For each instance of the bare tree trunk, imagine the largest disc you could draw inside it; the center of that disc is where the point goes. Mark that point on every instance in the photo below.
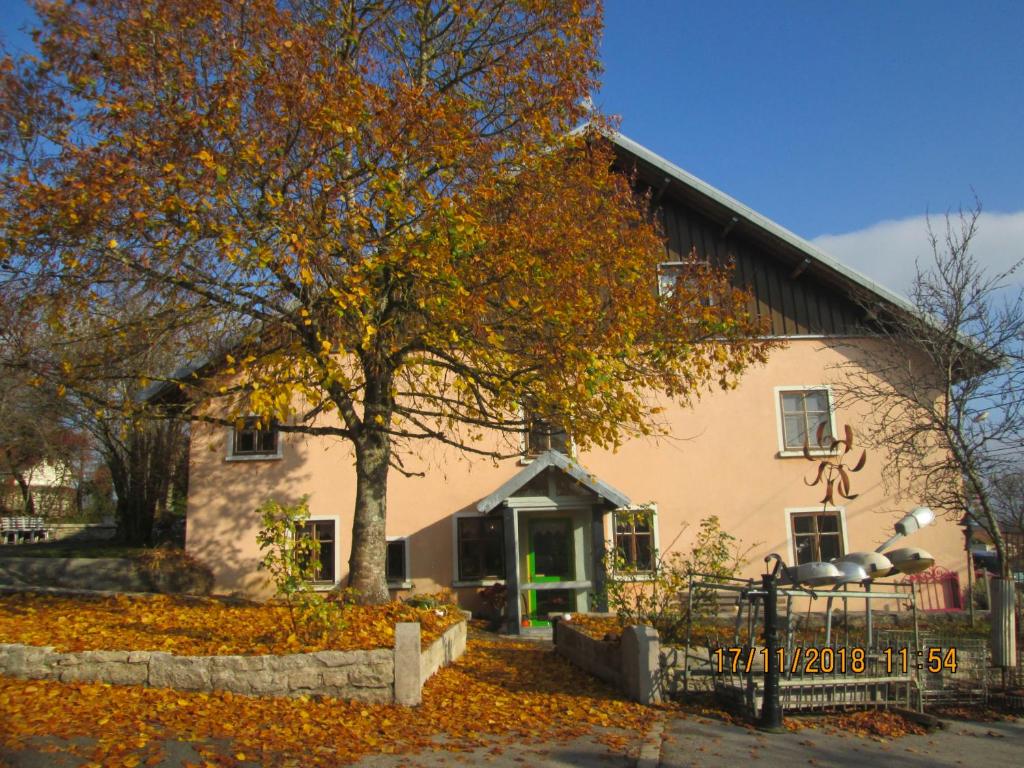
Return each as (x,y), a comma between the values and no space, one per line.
(369,543)
(28,503)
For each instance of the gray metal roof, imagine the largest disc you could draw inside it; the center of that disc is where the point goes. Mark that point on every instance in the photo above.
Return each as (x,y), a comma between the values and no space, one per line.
(559,461)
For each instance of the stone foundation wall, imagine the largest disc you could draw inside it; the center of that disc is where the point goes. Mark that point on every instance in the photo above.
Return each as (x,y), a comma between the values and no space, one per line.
(358,675)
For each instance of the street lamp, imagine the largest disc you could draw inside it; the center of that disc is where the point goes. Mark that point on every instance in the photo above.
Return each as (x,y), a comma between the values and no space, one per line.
(910,560)
(913,521)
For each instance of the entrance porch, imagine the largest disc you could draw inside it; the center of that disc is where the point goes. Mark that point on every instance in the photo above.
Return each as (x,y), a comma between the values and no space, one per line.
(553,513)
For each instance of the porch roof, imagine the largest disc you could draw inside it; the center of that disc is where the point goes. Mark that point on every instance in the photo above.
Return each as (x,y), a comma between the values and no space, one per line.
(559,461)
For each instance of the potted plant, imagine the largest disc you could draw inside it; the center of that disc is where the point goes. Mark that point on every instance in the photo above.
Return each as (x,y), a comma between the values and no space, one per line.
(495,597)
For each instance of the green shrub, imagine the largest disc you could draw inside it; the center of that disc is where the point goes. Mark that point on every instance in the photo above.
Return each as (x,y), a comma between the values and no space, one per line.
(293,562)
(660,599)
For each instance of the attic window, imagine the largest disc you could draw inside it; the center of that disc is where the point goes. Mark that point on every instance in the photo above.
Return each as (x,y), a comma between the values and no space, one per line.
(675,275)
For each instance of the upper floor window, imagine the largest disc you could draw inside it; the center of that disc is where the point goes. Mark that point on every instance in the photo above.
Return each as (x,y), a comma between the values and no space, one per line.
(803,412)
(542,435)
(255,439)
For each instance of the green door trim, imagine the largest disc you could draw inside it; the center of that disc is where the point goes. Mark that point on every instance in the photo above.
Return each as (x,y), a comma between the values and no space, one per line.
(531,563)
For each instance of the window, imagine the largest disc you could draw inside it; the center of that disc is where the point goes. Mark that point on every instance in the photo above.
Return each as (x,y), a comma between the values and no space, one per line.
(252,439)
(396,568)
(817,536)
(323,533)
(634,539)
(481,548)
(802,412)
(682,274)
(543,436)
(669,275)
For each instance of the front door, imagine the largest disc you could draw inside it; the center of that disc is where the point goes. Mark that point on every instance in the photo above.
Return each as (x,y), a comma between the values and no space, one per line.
(550,559)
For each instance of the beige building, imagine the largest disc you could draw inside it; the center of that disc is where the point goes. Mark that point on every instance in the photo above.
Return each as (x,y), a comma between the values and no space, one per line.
(541,523)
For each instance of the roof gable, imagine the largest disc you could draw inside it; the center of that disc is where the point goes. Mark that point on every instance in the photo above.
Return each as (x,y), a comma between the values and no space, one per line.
(737,217)
(561,462)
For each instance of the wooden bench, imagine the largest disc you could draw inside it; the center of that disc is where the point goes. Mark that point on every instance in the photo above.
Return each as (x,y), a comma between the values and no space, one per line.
(23,530)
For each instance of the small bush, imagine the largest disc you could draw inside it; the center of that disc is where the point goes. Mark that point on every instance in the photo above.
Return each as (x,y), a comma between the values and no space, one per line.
(660,599)
(293,562)
(170,570)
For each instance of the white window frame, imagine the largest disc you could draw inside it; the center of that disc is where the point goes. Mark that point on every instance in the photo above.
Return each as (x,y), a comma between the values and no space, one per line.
(456,582)
(324,586)
(790,511)
(524,439)
(785,452)
(232,456)
(407,584)
(664,266)
(655,542)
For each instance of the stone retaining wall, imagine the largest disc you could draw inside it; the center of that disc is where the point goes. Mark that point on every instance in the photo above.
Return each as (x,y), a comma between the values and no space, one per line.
(632,664)
(601,658)
(120,574)
(81,531)
(368,676)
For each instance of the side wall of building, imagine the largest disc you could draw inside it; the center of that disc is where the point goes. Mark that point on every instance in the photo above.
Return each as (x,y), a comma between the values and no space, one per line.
(721,458)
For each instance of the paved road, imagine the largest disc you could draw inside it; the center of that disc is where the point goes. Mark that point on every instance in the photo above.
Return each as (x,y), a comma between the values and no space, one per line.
(678,742)
(688,743)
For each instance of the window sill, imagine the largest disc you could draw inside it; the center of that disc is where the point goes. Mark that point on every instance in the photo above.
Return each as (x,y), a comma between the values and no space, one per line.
(254,457)
(400,585)
(478,583)
(787,454)
(633,576)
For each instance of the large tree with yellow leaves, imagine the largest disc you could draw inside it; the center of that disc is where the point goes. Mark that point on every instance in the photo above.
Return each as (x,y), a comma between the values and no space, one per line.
(382,203)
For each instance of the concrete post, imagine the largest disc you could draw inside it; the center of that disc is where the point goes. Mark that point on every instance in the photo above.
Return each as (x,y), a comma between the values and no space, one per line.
(1004,647)
(408,684)
(641,664)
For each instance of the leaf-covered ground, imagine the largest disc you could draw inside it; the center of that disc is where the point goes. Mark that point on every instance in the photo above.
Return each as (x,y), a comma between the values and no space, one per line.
(500,691)
(196,626)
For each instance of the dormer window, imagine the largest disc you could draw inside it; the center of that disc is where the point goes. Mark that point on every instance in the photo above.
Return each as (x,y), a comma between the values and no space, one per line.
(255,439)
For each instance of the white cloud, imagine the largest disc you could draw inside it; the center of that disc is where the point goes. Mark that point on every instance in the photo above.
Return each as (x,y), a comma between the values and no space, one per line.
(886,251)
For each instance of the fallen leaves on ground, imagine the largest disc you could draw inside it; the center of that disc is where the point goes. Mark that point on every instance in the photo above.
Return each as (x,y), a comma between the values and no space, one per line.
(977,713)
(499,690)
(597,627)
(189,626)
(871,723)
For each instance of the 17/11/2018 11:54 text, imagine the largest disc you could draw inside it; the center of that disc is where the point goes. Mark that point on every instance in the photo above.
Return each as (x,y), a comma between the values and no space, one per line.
(842,660)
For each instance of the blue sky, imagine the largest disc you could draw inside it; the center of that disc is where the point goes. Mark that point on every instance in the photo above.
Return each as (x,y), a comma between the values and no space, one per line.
(843,121)
(834,118)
